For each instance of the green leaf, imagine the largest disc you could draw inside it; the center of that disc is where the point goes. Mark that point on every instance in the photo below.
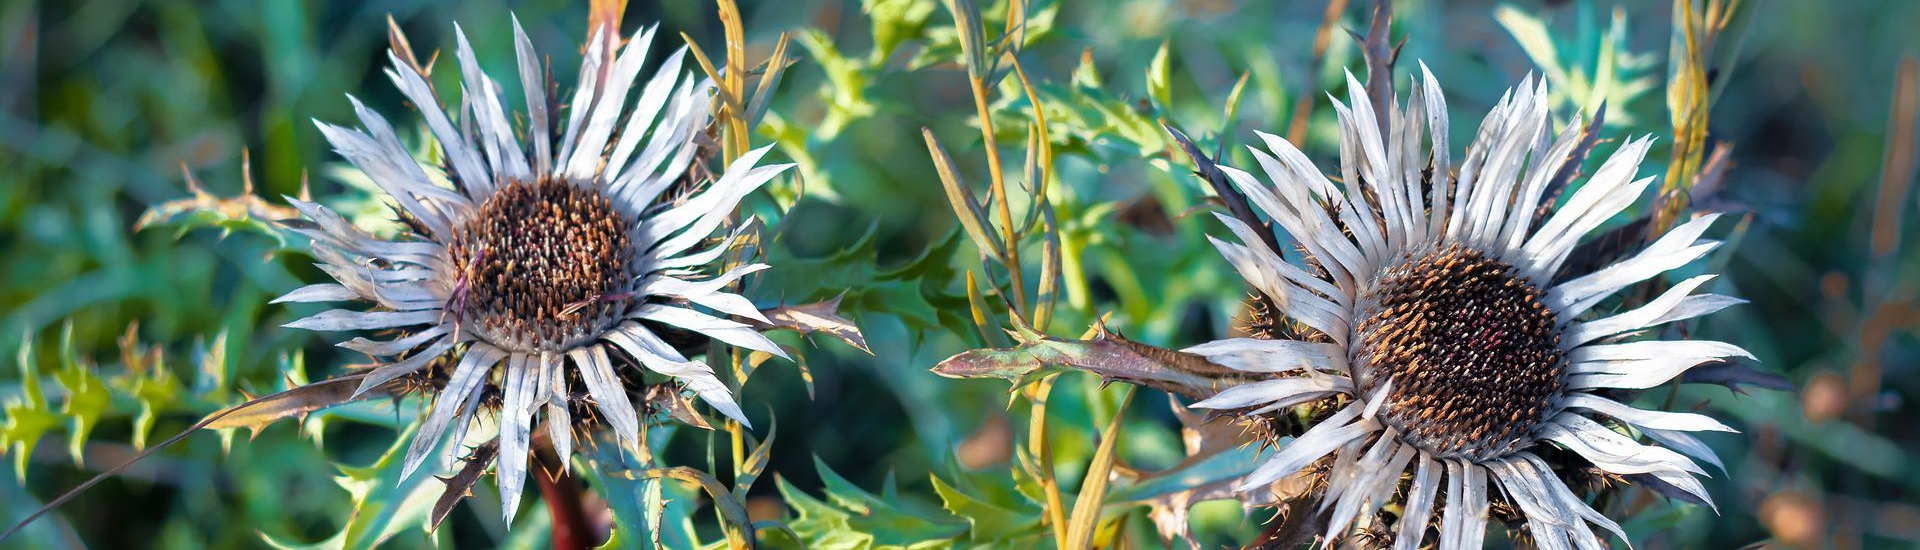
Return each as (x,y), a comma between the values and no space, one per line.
(28,416)
(731,510)
(245,212)
(646,513)
(384,505)
(851,518)
(1085,521)
(87,400)
(155,390)
(990,523)
(1585,68)
(846,89)
(1159,82)
(894,22)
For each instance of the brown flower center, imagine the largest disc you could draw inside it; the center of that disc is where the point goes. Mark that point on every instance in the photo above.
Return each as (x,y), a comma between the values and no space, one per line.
(1470,348)
(544,265)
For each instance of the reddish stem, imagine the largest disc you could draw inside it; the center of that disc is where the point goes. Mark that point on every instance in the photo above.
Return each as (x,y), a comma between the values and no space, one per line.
(563,495)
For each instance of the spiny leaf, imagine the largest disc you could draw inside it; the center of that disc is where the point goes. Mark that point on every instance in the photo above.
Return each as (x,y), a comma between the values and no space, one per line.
(990,523)
(847,79)
(34,392)
(823,317)
(243,212)
(257,414)
(87,400)
(28,416)
(156,390)
(894,22)
(853,518)
(1109,355)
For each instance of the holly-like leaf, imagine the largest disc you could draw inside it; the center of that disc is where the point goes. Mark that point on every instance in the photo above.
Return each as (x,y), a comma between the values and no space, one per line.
(28,415)
(851,518)
(155,390)
(87,401)
(668,399)
(990,523)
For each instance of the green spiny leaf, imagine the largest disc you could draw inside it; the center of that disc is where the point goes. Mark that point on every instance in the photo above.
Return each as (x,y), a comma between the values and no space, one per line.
(28,416)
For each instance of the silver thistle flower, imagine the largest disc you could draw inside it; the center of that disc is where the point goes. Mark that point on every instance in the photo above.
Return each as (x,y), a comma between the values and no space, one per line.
(1440,317)
(538,268)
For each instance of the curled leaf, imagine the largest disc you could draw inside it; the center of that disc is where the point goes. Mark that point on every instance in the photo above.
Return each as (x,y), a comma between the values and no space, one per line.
(667,398)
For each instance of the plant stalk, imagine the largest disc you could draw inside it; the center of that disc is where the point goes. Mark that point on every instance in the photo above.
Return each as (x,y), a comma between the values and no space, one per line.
(563,494)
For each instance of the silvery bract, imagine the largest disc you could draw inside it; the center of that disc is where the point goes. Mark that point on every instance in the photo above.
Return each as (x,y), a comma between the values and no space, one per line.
(1438,309)
(544,265)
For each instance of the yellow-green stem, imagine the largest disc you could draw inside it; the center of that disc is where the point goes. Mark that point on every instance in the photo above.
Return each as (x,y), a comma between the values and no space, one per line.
(1042,450)
(1007,235)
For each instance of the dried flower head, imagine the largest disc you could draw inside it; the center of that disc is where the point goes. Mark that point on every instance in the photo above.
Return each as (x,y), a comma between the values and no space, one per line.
(538,275)
(1439,323)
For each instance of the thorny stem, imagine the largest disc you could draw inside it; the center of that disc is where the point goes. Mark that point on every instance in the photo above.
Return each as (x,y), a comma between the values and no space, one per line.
(562,493)
(1380,58)
(1018,284)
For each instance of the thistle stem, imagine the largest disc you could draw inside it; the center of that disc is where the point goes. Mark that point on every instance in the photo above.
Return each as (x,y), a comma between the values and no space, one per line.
(562,493)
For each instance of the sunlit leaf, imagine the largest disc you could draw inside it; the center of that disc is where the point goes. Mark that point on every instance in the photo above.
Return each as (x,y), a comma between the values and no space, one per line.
(822,317)
(256,415)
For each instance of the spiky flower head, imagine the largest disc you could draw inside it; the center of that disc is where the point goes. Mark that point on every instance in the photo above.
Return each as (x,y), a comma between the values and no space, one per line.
(1447,332)
(537,276)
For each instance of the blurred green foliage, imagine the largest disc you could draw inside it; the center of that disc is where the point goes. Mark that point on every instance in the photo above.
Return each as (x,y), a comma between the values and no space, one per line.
(132,334)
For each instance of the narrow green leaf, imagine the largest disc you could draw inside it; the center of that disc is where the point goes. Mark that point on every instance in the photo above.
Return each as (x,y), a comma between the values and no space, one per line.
(973,217)
(1093,491)
(1159,81)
